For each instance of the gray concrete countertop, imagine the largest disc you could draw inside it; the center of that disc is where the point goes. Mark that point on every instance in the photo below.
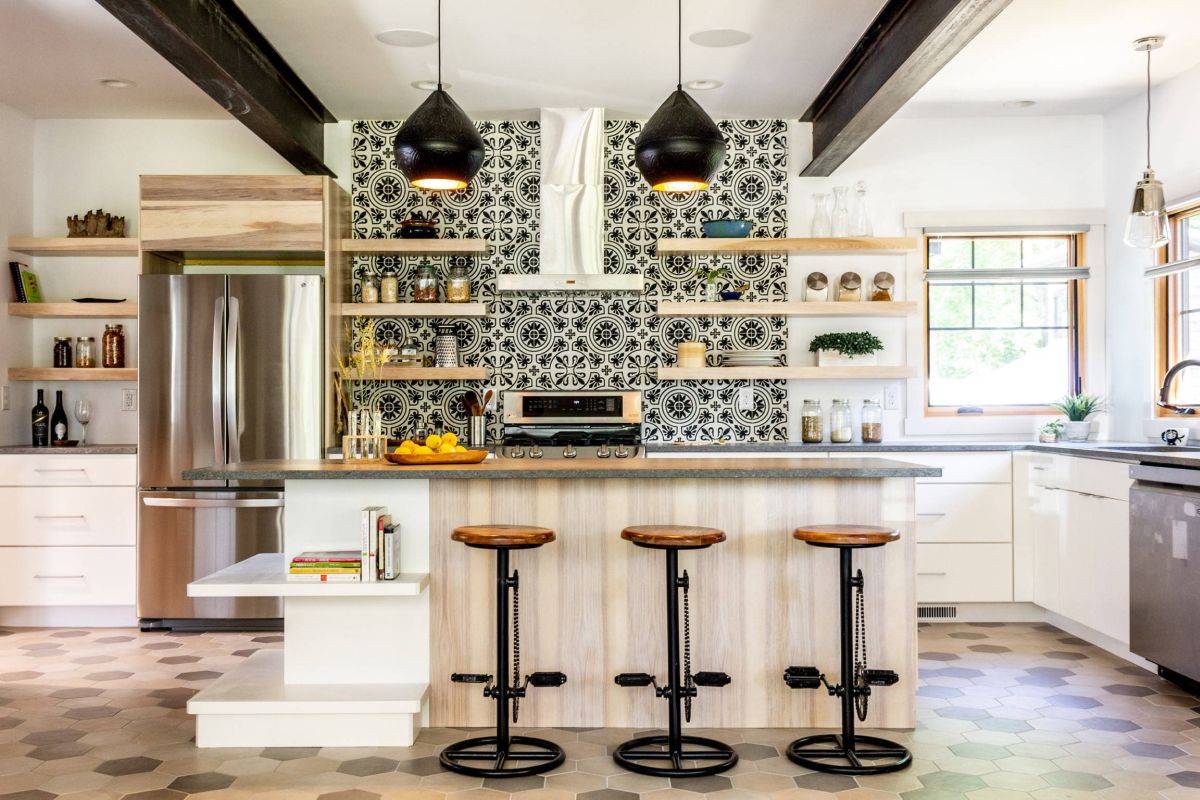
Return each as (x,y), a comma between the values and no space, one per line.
(86,450)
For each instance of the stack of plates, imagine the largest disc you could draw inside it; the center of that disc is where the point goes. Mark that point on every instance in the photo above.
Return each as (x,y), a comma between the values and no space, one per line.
(751,358)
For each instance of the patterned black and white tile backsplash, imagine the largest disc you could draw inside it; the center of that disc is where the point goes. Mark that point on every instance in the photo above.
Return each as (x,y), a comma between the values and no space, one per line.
(564,341)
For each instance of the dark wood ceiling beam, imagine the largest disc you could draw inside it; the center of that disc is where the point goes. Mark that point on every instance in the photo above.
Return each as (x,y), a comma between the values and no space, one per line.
(905,46)
(217,47)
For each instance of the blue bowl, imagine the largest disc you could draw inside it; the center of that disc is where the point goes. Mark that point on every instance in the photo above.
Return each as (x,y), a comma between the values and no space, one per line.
(727,228)
(731,294)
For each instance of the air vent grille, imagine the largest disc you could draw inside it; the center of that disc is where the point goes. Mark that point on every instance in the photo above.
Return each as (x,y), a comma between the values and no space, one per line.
(937,612)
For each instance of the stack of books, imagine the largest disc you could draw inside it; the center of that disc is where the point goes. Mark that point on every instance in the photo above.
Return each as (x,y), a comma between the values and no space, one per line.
(380,545)
(326,566)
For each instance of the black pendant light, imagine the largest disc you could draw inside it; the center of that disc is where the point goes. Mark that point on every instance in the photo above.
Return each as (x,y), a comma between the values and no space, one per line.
(680,149)
(438,146)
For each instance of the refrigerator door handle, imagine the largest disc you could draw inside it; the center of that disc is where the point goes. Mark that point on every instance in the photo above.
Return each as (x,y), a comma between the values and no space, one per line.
(233,433)
(217,336)
(196,502)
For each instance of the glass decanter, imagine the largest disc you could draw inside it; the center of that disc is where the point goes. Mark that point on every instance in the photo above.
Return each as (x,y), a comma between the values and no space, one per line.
(861,225)
(820,220)
(841,212)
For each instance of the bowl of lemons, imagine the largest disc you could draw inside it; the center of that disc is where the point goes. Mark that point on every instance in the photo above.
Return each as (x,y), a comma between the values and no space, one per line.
(438,448)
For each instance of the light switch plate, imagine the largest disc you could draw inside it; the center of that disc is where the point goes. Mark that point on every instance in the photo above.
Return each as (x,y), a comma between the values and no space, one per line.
(891,397)
(5,399)
(745,399)
(129,399)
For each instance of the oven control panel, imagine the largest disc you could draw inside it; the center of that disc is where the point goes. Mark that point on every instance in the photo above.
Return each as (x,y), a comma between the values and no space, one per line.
(575,407)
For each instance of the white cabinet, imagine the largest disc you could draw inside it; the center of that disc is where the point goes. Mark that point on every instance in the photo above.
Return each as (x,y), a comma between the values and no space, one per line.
(964,573)
(1094,564)
(41,516)
(68,576)
(1046,513)
(68,470)
(964,512)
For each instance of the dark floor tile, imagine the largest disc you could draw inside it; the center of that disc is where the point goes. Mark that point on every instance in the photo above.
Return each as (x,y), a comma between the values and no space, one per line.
(967,635)
(289,753)
(114,639)
(1128,691)
(162,645)
(33,646)
(1109,724)
(1056,672)
(951,781)
(986,752)
(69,634)
(201,675)
(989,648)
(94,660)
(607,794)
(1151,750)
(267,639)
(515,784)
(29,794)
(1072,701)
(178,660)
(201,782)
(429,765)
(960,672)
(156,794)
(1085,781)
(128,766)
(704,785)
(349,794)
(55,752)
(77,692)
(8,723)
(754,752)
(825,782)
(1186,778)
(92,712)
(39,738)
(246,653)
(1065,655)
(936,656)
(20,675)
(371,765)
(108,675)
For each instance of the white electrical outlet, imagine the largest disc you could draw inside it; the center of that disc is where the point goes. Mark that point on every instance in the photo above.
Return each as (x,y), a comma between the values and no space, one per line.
(891,397)
(129,399)
(745,399)
(5,400)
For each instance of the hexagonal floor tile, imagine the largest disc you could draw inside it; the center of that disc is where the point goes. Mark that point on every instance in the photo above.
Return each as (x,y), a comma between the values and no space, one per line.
(59,736)
(178,660)
(1084,781)
(289,753)
(1151,750)
(1109,724)
(1186,778)
(76,692)
(371,765)
(128,766)
(1128,690)
(54,752)
(201,782)
(108,675)
(754,752)
(825,782)
(421,766)
(201,675)
(92,712)
(349,794)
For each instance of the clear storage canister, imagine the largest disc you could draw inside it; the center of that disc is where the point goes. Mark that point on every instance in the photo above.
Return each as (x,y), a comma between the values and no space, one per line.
(811,422)
(841,427)
(872,422)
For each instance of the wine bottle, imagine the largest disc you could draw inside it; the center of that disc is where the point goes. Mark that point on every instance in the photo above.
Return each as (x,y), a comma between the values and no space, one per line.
(58,421)
(41,422)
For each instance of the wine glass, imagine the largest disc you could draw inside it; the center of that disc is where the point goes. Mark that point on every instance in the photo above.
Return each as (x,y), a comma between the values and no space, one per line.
(83,414)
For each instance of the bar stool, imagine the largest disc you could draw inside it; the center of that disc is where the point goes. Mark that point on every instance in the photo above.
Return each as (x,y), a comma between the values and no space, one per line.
(535,755)
(847,753)
(679,689)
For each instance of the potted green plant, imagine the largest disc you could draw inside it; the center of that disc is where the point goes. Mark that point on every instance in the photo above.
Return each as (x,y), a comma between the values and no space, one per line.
(710,276)
(834,349)
(1077,408)
(1050,432)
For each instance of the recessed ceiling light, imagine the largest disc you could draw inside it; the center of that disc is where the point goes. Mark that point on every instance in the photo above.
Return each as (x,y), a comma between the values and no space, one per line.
(405,37)
(719,37)
(429,86)
(116,83)
(703,84)
(1020,103)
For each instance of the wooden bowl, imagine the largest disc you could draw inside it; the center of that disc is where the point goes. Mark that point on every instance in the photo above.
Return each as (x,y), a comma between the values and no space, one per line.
(416,459)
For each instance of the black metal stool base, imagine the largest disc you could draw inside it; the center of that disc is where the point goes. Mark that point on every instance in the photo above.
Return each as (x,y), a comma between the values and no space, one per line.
(543,757)
(867,755)
(631,754)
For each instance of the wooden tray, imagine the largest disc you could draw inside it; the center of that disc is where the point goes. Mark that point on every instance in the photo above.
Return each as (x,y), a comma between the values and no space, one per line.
(415,459)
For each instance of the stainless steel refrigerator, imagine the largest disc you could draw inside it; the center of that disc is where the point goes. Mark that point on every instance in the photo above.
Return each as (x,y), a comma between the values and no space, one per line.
(229,369)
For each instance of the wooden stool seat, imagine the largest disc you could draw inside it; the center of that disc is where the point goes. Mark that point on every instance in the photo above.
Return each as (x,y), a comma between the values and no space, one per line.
(497,536)
(673,536)
(846,535)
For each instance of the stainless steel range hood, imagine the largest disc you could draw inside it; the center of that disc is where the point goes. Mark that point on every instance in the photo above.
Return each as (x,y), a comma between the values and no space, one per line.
(572,204)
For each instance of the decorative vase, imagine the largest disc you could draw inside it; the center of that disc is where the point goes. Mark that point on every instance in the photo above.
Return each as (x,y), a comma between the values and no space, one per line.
(832,358)
(712,293)
(1077,431)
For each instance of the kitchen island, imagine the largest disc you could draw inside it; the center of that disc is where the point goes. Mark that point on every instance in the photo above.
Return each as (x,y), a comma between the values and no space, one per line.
(369,663)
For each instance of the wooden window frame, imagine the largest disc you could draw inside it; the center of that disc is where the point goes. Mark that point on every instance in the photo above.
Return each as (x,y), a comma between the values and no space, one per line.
(1077,327)
(1166,311)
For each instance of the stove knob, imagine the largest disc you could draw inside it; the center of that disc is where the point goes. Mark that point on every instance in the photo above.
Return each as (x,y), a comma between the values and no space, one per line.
(535,451)
(516,452)
(569,451)
(622,451)
(603,451)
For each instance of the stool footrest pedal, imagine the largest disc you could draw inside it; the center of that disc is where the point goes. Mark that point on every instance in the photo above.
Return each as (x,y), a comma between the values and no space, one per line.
(470,677)
(634,679)
(880,677)
(712,679)
(546,680)
(803,677)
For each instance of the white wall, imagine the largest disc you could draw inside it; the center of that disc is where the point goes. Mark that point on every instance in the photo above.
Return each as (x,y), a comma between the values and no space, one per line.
(926,164)
(16,218)
(81,164)
(1176,116)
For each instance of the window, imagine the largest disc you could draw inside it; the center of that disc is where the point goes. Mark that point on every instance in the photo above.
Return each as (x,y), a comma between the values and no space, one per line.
(1001,345)
(1178,309)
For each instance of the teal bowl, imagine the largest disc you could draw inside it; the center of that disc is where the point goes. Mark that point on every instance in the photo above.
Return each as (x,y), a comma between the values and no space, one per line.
(726,228)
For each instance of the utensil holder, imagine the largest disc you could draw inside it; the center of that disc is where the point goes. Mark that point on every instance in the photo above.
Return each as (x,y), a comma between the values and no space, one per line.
(477,432)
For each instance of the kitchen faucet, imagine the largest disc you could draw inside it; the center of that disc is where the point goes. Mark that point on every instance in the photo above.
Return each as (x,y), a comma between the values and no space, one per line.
(1166,387)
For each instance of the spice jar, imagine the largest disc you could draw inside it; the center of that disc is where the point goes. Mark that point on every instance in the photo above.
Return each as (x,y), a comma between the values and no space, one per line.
(425,285)
(389,287)
(811,422)
(872,422)
(370,290)
(841,427)
(458,285)
(113,346)
(62,352)
(85,352)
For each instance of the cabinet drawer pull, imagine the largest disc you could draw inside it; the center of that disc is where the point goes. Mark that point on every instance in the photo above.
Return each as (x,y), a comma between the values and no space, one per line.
(60,469)
(59,577)
(931,574)
(931,514)
(59,516)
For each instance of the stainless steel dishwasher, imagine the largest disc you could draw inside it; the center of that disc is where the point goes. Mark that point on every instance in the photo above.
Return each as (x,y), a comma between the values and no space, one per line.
(1164,569)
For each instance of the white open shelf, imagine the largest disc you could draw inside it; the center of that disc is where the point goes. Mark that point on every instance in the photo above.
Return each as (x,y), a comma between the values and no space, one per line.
(265,575)
(257,687)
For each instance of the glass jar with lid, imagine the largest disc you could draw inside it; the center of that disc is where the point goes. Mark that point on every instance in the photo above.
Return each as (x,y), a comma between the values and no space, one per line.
(425,285)
(841,427)
(113,346)
(85,352)
(872,422)
(389,286)
(812,422)
(369,289)
(62,352)
(458,284)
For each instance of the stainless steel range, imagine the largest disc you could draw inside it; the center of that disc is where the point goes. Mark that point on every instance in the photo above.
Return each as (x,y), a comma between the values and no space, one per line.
(572,425)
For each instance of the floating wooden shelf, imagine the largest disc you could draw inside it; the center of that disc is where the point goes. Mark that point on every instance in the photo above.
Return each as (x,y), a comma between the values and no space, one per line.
(265,575)
(413,309)
(416,247)
(863,373)
(841,246)
(78,310)
(64,246)
(70,374)
(430,374)
(898,308)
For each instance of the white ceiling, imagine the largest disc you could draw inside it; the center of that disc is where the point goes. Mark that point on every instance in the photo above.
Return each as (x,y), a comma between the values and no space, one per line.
(510,57)
(1070,56)
(54,52)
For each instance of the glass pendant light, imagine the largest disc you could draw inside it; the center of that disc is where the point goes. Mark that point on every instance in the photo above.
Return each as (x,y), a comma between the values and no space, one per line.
(438,146)
(680,149)
(1147,224)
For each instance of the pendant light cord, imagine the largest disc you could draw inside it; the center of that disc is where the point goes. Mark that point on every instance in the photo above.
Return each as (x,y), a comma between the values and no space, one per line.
(1147,108)
(439,24)
(678,49)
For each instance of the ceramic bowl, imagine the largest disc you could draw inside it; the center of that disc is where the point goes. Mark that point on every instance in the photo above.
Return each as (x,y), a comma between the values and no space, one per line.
(726,228)
(731,294)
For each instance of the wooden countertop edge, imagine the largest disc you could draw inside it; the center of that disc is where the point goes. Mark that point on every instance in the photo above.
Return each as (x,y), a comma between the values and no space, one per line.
(574,469)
